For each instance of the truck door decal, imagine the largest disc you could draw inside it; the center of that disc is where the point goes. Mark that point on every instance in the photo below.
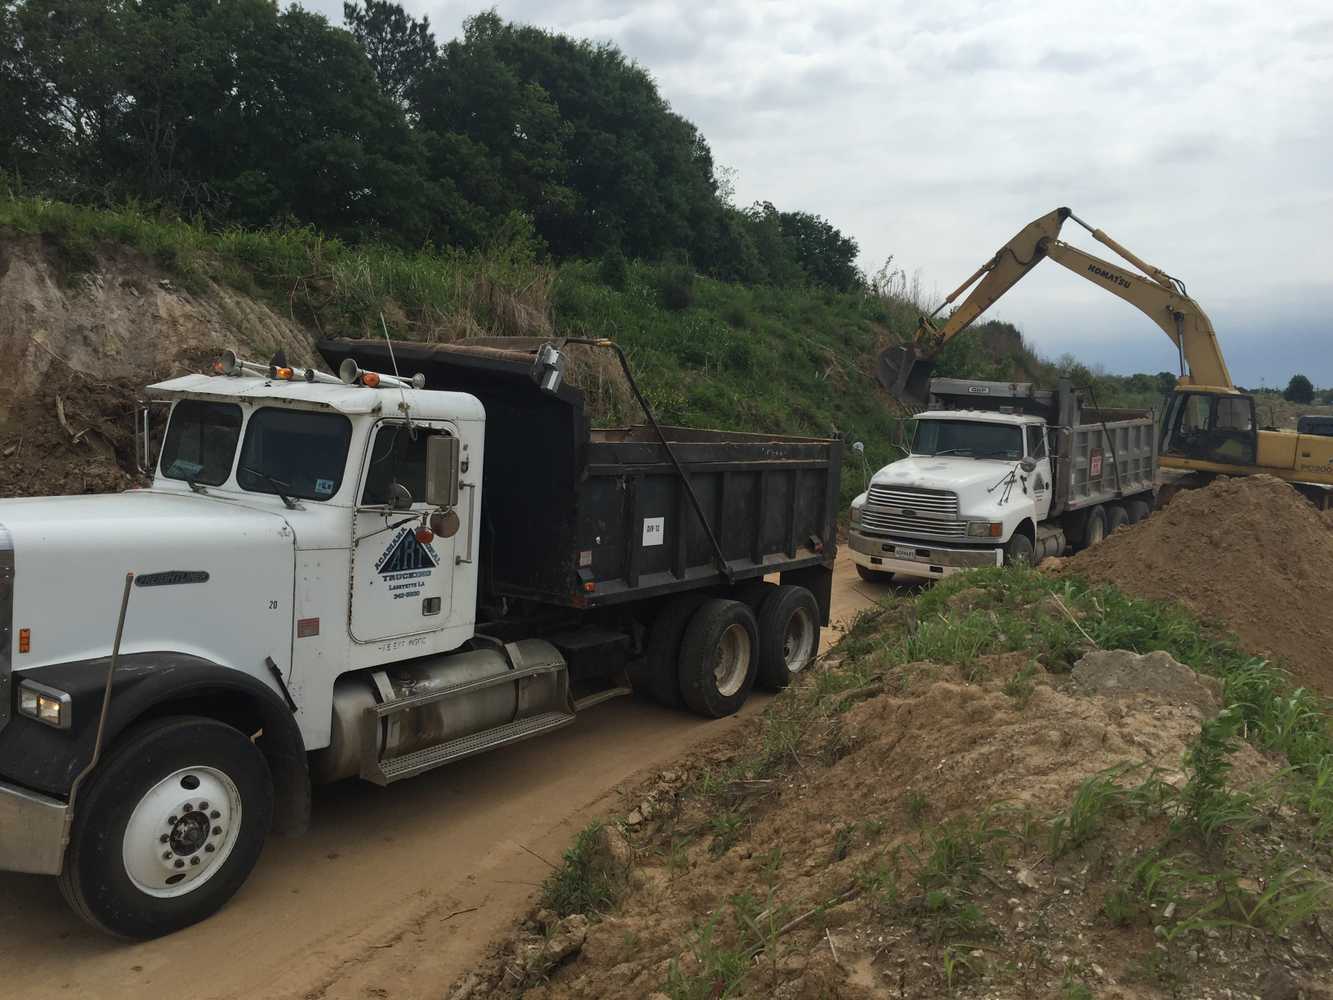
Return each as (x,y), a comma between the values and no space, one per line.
(406,564)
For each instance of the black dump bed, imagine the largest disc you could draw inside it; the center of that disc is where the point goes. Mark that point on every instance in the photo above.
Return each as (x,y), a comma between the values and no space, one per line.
(579,517)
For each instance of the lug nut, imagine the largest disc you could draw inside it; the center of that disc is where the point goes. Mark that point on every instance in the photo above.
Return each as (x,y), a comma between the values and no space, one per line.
(215,815)
(203,807)
(180,863)
(217,830)
(209,848)
(163,839)
(187,808)
(166,856)
(171,820)
(194,860)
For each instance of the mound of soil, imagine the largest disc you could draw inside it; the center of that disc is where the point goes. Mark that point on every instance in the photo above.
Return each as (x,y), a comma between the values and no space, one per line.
(1249,553)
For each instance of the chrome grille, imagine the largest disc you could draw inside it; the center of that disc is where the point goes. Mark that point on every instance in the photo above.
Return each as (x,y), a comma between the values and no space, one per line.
(886,521)
(922,503)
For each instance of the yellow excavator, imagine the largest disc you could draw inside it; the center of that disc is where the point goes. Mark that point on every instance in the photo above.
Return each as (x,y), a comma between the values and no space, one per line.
(1209,427)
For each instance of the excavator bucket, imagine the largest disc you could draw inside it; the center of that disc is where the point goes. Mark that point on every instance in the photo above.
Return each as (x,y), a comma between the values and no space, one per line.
(906,375)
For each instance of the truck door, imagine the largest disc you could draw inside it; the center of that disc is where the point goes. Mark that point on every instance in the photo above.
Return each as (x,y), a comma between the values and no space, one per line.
(402,579)
(1040,479)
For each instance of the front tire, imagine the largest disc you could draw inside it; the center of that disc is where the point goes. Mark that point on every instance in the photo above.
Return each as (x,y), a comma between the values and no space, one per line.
(719,655)
(1019,551)
(169,827)
(788,636)
(873,575)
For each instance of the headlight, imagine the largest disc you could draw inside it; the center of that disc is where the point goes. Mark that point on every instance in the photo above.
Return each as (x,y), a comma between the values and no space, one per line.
(856,511)
(985,529)
(45,704)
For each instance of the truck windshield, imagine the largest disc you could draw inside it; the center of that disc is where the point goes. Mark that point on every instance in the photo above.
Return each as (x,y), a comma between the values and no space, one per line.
(294,453)
(968,439)
(201,442)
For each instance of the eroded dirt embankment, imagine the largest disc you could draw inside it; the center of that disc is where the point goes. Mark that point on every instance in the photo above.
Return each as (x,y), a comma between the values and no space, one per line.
(77,349)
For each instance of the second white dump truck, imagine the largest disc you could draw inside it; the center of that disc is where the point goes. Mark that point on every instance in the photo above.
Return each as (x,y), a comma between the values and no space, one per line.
(1002,473)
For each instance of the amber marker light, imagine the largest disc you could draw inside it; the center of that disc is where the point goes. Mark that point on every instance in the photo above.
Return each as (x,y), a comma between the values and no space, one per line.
(425,536)
(370,380)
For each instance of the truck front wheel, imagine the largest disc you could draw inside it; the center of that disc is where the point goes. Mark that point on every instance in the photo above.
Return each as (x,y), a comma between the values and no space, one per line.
(718,658)
(169,827)
(1019,550)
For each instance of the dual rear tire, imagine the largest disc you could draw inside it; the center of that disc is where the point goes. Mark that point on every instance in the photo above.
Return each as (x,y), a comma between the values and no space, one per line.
(708,653)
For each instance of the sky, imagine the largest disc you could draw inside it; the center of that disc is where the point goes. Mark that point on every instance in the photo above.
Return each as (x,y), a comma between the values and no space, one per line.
(1197,134)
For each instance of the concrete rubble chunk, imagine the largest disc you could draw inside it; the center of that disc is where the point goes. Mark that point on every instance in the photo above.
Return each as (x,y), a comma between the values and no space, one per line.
(1119,673)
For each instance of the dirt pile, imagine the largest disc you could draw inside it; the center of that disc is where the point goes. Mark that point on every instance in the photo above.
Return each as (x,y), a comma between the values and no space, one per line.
(914,819)
(1249,553)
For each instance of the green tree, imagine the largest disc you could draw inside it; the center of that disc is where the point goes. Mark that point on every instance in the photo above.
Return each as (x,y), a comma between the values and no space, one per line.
(1299,390)
(400,48)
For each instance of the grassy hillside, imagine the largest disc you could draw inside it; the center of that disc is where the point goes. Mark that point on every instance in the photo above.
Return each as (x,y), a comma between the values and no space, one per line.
(707,353)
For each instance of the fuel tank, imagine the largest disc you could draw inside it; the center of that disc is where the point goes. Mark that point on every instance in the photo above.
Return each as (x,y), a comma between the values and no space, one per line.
(445,720)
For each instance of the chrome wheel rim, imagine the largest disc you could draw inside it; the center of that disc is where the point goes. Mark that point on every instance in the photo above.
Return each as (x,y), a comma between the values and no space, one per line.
(798,641)
(182,832)
(731,660)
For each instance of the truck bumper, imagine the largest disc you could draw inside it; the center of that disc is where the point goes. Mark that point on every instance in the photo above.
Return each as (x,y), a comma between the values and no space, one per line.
(32,832)
(917,558)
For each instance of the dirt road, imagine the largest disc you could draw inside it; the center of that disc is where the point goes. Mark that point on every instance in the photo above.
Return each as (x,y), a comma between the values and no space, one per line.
(395,891)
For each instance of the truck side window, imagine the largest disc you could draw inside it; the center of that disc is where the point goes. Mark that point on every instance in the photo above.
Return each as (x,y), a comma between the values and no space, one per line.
(397,456)
(201,442)
(294,452)
(1036,443)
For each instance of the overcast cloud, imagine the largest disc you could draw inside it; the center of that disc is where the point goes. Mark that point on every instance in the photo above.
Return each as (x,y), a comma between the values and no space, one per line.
(1198,134)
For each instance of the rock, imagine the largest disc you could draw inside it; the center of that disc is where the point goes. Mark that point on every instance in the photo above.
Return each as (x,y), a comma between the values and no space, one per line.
(1279,984)
(1118,673)
(616,847)
(470,987)
(568,939)
(635,818)
(1026,879)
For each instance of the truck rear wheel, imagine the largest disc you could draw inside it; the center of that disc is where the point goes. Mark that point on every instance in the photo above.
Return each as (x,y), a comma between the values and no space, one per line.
(1095,528)
(1116,518)
(718,658)
(1137,510)
(169,827)
(788,636)
(664,649)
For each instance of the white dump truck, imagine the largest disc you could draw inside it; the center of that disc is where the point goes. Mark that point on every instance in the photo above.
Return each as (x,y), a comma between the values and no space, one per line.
(1002,473)
(362,577)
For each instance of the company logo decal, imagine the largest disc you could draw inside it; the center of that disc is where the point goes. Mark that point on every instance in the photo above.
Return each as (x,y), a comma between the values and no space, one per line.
(407,564)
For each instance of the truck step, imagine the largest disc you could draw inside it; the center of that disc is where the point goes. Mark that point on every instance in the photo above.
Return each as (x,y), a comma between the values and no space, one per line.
(409,765)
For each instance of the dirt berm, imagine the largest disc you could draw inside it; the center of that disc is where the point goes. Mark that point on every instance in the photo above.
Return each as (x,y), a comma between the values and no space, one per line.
(1249,553)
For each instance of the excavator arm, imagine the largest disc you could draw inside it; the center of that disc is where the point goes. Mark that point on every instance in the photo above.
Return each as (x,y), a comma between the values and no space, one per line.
(905,370)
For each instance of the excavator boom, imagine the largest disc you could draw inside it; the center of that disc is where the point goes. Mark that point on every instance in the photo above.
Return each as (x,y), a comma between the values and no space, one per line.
(905,370)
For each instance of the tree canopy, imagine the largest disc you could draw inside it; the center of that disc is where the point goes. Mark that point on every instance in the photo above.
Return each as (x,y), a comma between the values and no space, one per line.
(1299,390)
(241,112)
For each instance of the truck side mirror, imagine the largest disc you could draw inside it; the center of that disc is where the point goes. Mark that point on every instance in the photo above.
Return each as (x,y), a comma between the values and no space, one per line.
(442,455)
(1028,464)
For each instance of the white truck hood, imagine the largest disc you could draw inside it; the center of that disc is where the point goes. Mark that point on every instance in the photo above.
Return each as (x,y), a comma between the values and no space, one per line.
(210,576)
(946,472)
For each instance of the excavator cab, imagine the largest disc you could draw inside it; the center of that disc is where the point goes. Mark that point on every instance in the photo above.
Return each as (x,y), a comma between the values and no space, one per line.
(1211,426)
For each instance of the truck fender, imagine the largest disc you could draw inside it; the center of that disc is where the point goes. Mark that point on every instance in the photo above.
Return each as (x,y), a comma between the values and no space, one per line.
(151,685)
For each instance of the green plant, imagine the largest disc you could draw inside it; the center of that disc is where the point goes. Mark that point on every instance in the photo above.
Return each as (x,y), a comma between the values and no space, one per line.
(842,842)
(1020,686)
(716,969)
(1095,798)
(726,828)
(1207,806)
(675,286)
(588,881)
(916,804)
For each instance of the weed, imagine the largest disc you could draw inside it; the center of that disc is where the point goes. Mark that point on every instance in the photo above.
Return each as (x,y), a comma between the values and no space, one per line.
(1072,987)
(1096,797)
(588,881)
(842,842)
(1207,807)
(1020,686)
(917,803)
(726,828)
(716,970)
